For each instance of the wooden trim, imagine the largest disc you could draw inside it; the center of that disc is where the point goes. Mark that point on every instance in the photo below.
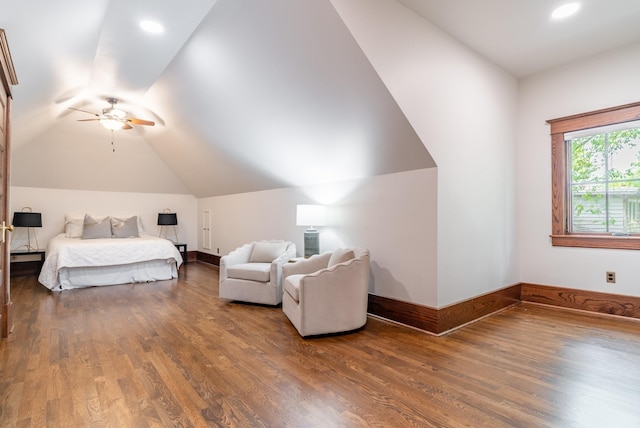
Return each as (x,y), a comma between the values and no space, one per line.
(584,300)
(8,74)
(607,116)
(192,256)
(439,321)
(7,319)
(462,313)
(7,79)
(560,235)
(558,192)
(597,241)
(208,258)
(412,314)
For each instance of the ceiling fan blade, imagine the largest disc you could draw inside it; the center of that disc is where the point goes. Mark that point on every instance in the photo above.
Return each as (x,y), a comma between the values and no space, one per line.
(89,120)
(83,111)
(139,121)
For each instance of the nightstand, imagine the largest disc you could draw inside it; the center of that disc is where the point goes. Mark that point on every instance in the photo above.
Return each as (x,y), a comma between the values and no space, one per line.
(182,248)
(18,254)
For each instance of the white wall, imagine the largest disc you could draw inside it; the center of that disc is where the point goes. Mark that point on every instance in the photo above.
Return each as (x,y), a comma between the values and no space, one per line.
(392,215)
(464,110)
(55,203)
(602,81)
(70,156)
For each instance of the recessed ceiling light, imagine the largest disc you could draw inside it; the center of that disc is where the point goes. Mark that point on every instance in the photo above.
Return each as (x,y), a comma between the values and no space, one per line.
(152,27)
(565,10)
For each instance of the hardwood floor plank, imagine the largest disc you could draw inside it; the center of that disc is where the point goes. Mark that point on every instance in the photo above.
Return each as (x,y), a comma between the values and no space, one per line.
(171,353)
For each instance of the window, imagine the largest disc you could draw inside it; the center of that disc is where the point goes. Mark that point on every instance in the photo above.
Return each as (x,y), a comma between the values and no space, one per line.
(603,176)
(596,179)
(633,212)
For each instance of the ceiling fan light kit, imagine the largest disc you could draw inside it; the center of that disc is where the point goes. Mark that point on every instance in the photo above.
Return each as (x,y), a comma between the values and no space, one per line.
(112,124)
(113,118)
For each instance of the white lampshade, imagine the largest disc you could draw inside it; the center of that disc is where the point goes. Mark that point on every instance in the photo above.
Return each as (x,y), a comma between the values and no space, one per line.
(311,215)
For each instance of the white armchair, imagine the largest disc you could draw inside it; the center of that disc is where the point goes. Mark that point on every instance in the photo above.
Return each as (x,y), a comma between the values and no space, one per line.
(253,272)
(327,293)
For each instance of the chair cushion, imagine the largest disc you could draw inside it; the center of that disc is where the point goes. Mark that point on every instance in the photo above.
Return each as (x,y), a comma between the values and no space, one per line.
(250,271)
(340,255)
(292,286)
(266,252)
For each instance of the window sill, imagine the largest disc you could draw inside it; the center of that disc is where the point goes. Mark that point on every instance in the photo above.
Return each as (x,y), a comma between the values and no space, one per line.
(597,241)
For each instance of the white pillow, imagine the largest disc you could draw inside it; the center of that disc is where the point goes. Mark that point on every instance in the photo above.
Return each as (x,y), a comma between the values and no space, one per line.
(266,252)
(73,226)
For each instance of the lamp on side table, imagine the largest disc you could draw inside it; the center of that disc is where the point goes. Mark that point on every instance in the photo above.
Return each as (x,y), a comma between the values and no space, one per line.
(27,218)
(311,215)
(168,219)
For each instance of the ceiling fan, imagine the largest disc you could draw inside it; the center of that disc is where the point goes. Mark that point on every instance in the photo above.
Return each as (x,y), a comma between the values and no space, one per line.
(113,118)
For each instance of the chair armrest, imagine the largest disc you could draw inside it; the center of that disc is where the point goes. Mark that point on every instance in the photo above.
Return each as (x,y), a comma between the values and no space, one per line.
(237,256)
(278,264)
(306,266)
(336,296)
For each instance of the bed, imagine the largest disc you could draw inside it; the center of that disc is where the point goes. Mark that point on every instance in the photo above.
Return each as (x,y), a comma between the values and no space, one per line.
(73,262)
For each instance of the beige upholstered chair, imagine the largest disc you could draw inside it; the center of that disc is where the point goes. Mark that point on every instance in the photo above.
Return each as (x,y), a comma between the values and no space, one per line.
(327,293)
(253,272)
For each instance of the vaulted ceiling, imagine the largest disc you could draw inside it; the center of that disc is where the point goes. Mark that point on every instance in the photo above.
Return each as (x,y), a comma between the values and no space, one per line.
(246,95)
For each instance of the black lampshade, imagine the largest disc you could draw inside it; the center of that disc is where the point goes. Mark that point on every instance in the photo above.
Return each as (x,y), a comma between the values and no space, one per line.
(27,219)
(167,219)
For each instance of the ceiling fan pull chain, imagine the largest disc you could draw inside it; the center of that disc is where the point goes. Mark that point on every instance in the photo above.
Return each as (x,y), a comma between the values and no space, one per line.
(113,147)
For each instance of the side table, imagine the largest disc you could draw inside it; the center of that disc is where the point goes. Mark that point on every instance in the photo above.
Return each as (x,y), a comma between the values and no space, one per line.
(20,253)
(182,248)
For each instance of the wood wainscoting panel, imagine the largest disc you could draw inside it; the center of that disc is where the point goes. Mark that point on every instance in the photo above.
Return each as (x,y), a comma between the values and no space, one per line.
(439,321)
(584,300)
(192,256)
(212,259)
(414,315)
(462,313)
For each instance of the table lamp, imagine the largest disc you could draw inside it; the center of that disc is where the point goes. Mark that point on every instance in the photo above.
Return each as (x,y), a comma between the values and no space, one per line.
(311,215)
(168,219)
(27,218)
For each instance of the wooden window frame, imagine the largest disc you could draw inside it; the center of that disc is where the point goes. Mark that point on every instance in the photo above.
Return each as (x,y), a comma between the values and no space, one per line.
(560,236)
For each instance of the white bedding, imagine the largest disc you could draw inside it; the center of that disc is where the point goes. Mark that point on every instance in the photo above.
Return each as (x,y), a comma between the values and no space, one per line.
(64,254)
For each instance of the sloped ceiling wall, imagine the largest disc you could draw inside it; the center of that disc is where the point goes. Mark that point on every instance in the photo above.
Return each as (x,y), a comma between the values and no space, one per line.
(246,95)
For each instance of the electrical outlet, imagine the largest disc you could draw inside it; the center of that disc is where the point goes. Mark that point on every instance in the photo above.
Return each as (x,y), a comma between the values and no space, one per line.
(611,277)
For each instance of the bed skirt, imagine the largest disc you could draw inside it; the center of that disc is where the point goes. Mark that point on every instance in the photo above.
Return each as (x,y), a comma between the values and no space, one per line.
(92,276)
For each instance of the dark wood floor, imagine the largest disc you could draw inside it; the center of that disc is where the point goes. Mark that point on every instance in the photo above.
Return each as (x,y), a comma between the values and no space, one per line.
(172,354)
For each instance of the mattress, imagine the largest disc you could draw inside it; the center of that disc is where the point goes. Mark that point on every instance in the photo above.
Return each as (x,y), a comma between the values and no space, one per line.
(75,263)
